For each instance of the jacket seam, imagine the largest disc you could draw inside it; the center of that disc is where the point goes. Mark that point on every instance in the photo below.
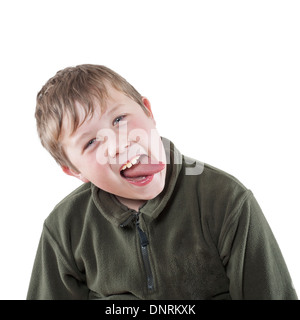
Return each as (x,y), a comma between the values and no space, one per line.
(234,216)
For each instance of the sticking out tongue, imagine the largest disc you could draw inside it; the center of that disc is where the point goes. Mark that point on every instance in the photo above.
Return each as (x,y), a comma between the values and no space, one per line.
(143,169)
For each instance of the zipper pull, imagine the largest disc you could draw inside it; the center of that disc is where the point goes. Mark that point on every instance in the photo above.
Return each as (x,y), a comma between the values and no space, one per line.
(128,220)
(143,238)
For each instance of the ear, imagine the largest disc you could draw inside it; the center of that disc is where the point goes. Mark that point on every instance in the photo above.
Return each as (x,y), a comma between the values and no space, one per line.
(147,105)
(73,173)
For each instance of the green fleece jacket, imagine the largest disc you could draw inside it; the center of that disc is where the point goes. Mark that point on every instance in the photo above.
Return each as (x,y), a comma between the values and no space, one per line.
(203,237)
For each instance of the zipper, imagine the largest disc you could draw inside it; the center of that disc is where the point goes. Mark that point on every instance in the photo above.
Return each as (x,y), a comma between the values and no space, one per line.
(144,242)
(145,254)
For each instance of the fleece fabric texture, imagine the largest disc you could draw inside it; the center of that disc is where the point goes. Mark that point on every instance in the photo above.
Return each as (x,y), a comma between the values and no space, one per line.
(208,239)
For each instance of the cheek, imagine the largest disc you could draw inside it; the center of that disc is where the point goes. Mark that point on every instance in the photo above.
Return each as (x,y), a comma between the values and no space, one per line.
(141,131)
(92,167)
(141,123)
(100,175)
(101,155)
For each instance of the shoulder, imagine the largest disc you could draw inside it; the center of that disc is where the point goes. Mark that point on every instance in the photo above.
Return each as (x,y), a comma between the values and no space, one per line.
(80,193)
(223,189)
(67,223)
(218,178)
(220,196)
(211,180)
(74,205)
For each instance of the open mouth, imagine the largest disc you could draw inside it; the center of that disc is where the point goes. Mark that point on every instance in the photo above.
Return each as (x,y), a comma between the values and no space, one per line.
(140,170)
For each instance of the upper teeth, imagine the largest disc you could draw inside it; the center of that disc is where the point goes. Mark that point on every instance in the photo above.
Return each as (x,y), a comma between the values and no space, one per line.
(130,163)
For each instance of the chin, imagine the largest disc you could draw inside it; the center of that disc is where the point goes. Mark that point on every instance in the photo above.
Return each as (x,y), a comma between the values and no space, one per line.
(154,193)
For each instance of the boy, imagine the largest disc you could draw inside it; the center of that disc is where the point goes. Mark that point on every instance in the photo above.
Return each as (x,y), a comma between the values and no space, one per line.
(148,223)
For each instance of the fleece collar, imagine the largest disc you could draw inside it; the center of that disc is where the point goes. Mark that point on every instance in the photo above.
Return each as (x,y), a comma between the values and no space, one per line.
(117,213)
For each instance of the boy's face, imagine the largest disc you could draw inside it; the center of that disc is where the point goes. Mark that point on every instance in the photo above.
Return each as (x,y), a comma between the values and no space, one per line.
(122,135)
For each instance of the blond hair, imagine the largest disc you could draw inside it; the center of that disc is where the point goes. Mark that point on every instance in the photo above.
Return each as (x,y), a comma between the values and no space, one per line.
(83,84)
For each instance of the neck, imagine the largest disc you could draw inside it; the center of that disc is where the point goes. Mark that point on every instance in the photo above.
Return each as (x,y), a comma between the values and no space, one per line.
(131,203)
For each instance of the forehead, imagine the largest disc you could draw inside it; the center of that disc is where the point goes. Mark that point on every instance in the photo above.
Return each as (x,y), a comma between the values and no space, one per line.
(81,114)
(73,121)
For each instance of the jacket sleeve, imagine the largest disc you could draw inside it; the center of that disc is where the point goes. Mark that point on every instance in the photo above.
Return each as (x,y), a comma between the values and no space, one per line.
(252,258)
(54,276)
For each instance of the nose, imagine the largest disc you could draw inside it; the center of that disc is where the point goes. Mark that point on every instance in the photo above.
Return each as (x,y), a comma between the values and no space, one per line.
(118,147)
(110,148)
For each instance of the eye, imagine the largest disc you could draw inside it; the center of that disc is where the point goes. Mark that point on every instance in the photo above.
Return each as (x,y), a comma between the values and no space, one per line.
(89,143)
(118,119)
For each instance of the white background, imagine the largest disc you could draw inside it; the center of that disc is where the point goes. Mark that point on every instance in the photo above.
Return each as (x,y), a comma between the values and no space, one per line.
(223,78)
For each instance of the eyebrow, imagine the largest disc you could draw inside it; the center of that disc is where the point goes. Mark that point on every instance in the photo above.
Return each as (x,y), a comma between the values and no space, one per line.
(114,108)
(82,136)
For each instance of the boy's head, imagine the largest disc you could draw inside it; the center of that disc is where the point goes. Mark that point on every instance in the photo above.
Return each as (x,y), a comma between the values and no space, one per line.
(94,124)
(83,84)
